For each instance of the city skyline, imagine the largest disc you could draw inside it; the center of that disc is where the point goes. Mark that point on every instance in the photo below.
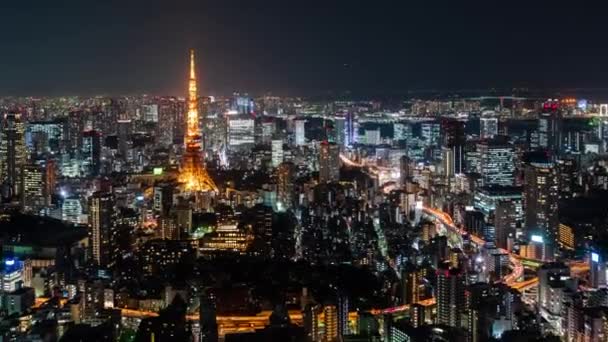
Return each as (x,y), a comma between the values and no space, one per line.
(418,172)
(84,49)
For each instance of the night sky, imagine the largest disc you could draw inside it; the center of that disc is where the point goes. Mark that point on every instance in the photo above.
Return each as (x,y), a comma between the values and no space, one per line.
(309,48)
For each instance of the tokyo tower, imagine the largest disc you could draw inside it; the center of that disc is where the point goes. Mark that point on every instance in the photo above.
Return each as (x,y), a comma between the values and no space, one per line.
(193,174)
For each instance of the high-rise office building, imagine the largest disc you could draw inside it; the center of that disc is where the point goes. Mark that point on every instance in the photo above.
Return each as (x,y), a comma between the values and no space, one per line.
(496,164)
(277,152)
(171,124)
(550,131)
(505,221)
(541,200)
(34,196)
(102,217)
(548,273)
(452,133)
(329,162)
(452,146)
(71,210)
(46,136)
(402,131)
(285,178)
(371,137)
(13,153)
(487,199)
(450,296)
(124,137)
(300,136)
(488,127)
(91,153)
(405,169)
(597,270)
(241,131)
(242,103)
(567,178)
(339,132)
(150,112)
(448,162)
(410,278)
(76,123)
(431,133)
(351,129)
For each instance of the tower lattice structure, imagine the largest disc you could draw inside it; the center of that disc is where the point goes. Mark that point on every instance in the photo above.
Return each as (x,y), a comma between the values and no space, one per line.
(193,174)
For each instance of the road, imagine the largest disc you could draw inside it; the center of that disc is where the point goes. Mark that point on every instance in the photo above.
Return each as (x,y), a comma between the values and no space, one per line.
(226,324)
(517,269)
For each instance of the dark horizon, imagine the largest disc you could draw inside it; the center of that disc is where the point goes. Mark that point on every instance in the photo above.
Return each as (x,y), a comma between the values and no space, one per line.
(301,50)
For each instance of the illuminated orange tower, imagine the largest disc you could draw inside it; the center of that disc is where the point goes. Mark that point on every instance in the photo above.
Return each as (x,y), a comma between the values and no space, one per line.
(193,174)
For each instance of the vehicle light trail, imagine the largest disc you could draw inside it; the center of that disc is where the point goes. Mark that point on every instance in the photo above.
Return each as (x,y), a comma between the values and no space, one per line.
(516,266)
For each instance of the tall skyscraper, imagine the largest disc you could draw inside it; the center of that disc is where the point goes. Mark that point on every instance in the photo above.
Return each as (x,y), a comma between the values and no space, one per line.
(450,296)
(329,162)
(300,137)
(351,130)
(277,152)
(550,131)
(448,162)
(13,153)
(541,200)
(496,165)
(124,137)
(410,280)
(405,169)
(193,174)
(76,120)
(34,196)
(91,153)
(102,217)
(339,132)
(505,221)
(285,178)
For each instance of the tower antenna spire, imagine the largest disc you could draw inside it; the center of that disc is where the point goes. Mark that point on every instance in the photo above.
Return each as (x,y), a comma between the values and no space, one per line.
(193,174)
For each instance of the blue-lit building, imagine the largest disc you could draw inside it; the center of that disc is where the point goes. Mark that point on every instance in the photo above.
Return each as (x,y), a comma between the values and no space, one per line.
(11,275)
(487,198)
(46,136)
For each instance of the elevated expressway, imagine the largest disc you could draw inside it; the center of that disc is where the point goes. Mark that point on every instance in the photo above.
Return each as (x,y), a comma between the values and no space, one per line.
(517,269)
